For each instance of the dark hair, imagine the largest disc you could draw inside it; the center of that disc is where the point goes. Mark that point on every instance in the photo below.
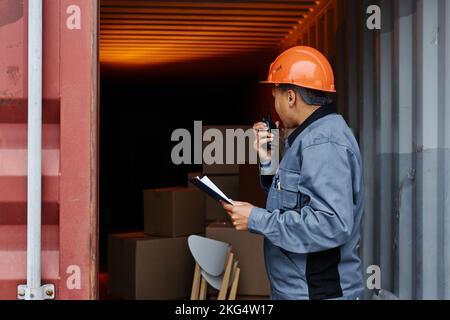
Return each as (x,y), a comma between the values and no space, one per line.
(310,96)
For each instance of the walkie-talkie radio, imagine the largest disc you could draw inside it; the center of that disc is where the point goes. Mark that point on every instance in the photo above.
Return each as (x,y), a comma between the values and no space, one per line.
(270,125)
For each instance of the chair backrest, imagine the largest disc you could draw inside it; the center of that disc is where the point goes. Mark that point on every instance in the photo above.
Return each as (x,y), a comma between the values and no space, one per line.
(209,254)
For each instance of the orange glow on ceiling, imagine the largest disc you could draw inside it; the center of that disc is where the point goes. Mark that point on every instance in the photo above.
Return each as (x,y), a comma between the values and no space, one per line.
(151,32)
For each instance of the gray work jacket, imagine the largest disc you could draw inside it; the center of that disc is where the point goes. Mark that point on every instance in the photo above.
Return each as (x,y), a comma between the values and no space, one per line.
(311,223)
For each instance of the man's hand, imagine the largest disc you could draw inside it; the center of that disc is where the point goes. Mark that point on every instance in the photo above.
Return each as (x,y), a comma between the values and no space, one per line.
(262,138)
(239,214)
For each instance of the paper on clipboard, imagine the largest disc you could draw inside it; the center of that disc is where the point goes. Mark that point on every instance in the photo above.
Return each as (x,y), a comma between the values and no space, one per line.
(206,185)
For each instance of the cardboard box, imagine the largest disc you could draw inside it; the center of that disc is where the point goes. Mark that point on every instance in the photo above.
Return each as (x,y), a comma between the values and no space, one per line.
(209,169)
(118,277)
(229,184)
(248,249)
(250,187)
(146,268)
(193,175)
(174,212)
(220,169)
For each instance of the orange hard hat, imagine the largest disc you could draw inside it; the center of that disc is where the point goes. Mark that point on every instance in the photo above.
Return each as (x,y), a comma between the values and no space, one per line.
(302,66)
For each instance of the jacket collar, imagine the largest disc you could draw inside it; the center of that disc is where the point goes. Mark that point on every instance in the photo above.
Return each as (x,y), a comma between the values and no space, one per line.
(318,114)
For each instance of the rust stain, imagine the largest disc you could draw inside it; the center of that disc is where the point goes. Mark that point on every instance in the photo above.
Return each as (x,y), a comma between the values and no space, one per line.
(13,74)
(6,94)
(10,11)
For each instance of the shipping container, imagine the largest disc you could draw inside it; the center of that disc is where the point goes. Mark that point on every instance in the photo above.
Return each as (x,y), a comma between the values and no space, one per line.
(120,76)
(69,148)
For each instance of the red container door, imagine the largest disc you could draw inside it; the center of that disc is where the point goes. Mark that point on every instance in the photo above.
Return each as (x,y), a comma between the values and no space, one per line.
(69,204)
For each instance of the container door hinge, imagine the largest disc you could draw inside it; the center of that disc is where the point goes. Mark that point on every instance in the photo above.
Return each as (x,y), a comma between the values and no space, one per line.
(46,292)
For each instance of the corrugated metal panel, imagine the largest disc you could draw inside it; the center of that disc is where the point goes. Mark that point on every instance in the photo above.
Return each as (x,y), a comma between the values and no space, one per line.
(13,150)
(69,204)
(152,32)
(394,89)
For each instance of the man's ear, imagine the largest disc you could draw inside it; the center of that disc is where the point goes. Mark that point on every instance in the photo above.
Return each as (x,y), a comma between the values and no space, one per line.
(292,98)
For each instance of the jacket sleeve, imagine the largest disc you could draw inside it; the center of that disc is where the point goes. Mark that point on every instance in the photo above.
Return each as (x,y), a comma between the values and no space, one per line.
(326,220)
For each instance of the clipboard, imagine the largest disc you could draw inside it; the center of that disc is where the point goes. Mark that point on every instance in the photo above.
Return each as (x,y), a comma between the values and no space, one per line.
(207,186)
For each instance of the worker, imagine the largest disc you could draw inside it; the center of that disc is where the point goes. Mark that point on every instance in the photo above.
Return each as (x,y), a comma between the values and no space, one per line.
(311,223)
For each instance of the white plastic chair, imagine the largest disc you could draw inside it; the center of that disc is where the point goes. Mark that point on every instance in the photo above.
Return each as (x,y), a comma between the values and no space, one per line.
(215,266)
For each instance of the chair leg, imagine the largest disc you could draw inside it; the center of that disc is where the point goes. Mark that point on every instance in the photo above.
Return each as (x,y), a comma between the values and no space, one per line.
(226,278)
(196,283)
(203,289)
(234,286)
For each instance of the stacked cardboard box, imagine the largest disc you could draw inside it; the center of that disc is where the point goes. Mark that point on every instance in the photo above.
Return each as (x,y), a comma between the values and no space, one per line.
(223,168)
(142,267)
(157,263)
(174,212)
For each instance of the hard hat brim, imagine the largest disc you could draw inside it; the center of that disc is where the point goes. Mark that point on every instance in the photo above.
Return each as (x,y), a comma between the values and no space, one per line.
(279,83)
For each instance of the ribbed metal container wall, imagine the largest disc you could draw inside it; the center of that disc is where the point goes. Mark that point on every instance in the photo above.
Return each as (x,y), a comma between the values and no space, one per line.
(394,90)
(69,142)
